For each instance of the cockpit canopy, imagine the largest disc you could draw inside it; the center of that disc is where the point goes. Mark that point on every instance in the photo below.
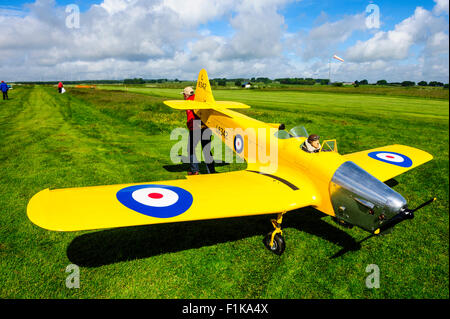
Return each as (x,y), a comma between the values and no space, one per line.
(297,131)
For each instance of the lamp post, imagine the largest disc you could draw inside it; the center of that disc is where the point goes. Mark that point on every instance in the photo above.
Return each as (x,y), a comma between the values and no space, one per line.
(329,72)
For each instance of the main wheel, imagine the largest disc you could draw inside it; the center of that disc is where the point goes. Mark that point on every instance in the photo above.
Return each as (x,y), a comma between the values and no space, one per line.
(278,245)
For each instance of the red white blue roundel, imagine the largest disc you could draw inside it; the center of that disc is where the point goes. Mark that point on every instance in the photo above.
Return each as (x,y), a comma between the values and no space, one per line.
(238,143)
(162,201)
(392,158)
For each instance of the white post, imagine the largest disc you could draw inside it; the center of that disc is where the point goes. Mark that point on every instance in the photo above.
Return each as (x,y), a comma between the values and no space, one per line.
(329,72)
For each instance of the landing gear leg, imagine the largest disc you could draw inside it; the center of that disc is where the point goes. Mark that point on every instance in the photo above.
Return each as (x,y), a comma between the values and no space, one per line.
(274,240)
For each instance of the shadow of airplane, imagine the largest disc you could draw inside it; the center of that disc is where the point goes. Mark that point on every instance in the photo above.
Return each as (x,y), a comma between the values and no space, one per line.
(356,246)
(129,243)
(391,182)
(184,167)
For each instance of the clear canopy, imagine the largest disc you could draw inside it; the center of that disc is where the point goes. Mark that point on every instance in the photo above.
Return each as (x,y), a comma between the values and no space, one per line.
(299,131)
(282,134)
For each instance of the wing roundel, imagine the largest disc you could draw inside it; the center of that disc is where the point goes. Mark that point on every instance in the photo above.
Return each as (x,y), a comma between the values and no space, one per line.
(389,161)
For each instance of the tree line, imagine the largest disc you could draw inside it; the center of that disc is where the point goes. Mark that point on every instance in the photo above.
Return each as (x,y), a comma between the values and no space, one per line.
(404,83)
(243,81)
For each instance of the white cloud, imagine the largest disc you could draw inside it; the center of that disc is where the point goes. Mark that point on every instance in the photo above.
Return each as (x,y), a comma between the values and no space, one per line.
(172,39)
(416,49)
(441,7)
(258,31)
(396,44)
(141,32)
(322,41)
(437,44)
(195,12)
(115,6)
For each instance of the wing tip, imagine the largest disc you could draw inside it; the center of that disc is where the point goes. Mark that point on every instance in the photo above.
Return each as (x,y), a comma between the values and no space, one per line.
(36,206)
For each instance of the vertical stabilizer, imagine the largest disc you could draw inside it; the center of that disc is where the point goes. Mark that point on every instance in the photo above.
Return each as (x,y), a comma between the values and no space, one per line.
(203,91)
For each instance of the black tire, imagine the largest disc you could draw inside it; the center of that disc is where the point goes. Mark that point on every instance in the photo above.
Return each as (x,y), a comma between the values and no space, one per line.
(278,243)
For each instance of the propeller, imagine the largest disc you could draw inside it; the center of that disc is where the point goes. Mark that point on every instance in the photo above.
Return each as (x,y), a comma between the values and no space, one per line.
(423,205)
(404,214)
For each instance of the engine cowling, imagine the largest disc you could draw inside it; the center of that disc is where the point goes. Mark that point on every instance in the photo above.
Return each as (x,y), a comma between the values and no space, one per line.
(360,199)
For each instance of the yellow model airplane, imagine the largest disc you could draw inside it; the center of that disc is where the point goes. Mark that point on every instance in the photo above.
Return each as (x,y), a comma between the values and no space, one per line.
(348,187)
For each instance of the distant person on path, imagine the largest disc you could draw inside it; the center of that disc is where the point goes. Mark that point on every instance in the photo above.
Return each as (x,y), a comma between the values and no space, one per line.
(60,87)
(192,120)
(4,87)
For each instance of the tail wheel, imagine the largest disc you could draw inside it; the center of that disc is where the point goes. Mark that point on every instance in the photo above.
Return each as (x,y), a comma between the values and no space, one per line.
(278,245)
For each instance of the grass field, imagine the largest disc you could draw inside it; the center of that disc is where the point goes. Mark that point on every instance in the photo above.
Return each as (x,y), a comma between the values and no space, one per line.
(99,137)
(413,91)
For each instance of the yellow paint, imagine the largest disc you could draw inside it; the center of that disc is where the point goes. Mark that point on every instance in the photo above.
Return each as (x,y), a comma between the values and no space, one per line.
(335,149)
(232,194)
(203,91)
(223,195)
(189,105)
(276,223)
(384,171)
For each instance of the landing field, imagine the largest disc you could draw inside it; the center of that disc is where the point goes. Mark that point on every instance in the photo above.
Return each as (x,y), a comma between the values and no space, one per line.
(114,135)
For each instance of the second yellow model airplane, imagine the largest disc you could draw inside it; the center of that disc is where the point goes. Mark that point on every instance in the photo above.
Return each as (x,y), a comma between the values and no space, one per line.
(348,187)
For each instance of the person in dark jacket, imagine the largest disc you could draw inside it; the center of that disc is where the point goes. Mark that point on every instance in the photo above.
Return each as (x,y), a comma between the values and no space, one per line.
(4,88)
(193,124)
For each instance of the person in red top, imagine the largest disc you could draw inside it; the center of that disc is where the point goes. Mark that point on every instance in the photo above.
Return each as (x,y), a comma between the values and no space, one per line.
(60,86)
(193,124)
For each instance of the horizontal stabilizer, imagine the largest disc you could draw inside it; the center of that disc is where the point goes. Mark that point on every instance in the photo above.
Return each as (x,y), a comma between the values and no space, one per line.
(194,105)
(204,98)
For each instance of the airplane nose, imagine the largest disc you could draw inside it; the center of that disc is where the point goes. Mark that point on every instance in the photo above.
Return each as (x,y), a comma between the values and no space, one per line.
(395,203)
(358,198)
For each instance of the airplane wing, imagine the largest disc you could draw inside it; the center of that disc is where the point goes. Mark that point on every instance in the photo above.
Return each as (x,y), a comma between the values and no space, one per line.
(389,161)
(199,197)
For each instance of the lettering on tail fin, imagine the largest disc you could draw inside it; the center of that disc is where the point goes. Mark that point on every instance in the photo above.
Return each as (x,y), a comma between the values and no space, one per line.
(203,91)
(204,98)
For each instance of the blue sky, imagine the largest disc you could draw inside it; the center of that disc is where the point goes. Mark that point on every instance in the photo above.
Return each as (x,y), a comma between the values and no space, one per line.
(19,4)
(274,38)
(304,14)
(301,14)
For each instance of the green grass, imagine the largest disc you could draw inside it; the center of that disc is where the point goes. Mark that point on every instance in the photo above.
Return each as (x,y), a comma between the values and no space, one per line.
(415,91)
(100,137)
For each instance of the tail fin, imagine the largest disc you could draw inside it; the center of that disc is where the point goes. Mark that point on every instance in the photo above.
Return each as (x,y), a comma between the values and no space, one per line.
(203,91)
(204,98)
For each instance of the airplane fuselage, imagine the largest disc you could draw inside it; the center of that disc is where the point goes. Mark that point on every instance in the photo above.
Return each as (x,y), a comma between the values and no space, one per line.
(345,190)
